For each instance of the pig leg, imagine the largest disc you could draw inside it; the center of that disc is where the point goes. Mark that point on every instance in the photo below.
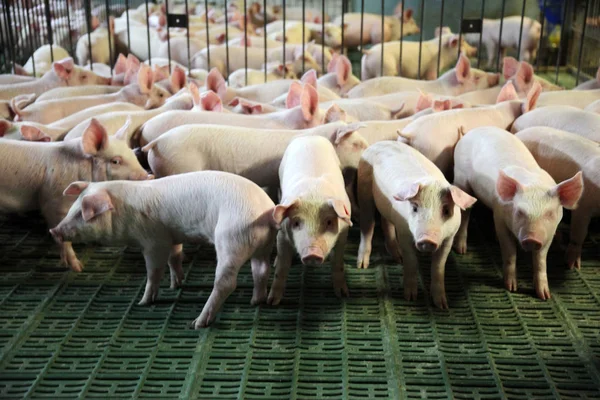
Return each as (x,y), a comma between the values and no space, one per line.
(491,50)
(391,243)
(508,249)
(411,267)
(54,212)
(367,213)
(337,265)
(580,220)
(285,251)
(229,262)
(438,269)
(460,240)
(540,277)
(156,258)
(68,257)
(175,265)
(261,267)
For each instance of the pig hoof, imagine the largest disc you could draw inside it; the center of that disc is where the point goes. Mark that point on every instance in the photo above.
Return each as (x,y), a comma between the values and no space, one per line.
(258,299)
(511,284)
(204,320)
(573,258)
(76,266)
(410,293)
(341,290)
(274,298)
(362,262)
(460,247)
(439,298)
(543,292)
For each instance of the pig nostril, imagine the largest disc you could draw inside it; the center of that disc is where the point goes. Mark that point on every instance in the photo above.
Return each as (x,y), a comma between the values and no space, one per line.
(312,259)
(427,246)
(531,244)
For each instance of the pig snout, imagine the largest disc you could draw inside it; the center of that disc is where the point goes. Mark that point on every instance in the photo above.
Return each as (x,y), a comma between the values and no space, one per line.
(313,256)
(57,235)
(530,243)
(493,79)
(427,243)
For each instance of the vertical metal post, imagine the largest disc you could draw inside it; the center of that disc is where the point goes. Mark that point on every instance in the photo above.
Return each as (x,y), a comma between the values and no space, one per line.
(69,27)
(462,15)
(110,38)
(207,36)
(4,46)
(49,28)
(265,49)
(323,36)
(11,45)
(246,41)
(580,58)
(420,37)
(20,20)
(521,29)
(303,34)
(401,36)
(31,39)
(226,42)
(148,33)
(187,37)
(500,37)
(562,38)
(282,5)
(88,17)
(127,15)
(539,52)
(362,23)
(169,35)
(440,39)
(382,41)
(480,34)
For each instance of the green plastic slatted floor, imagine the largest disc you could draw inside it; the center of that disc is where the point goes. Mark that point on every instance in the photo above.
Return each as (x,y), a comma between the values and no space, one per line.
(68,335)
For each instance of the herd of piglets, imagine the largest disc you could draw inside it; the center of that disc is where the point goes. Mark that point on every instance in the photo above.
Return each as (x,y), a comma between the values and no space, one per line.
(155,159)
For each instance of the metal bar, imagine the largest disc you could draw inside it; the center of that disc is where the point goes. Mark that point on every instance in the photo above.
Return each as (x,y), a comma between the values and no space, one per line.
(110,52)
(4,46)
(401,36)
(440,38)
(22,39)
(69,28)
(480,34)
(562,38)
(362,23)
(500,36)
(539,52)
(382,41)
(148,33)
(521,28)
(246,41)
(420,38)
(49,28)
(169,35)
(265,37)
(128,30)
(11,46)
(88,18)
(462,15)
(284,36)
(207,36)
(32,39)
(187,36)
(323,36)
(585,14)
(343,30)
(226,43)
(303,34)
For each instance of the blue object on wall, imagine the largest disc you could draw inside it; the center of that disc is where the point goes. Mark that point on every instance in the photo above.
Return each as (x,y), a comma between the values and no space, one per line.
(553,10)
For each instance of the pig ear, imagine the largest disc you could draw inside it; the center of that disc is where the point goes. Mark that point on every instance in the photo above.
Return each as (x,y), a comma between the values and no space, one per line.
(281,211)
(145,79)
(460,198)
(569,191)
(335,113)
(294,93)
(441,105)
(407,15)
(343,70)
(424,102)
(340,209)
(408,191)
(463,68)
(121,134)
(195,94)
(507,93)
(310,78)
(532,97)
(94,138)
(121,64)
(33,134)
(332,63)
(310,102)
(209,101)
(507,187)
(63,68)
(525,73)
(453,41)
(5,126)
(216,82)
(75,188)
(510,66)
(95,204)
(159,74)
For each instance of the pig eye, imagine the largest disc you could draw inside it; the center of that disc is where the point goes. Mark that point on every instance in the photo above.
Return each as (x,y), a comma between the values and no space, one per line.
(520,214)
(161,95)
(116,161)
(329,223)
(446,211)
(415,207)
(550,214)
(296,224)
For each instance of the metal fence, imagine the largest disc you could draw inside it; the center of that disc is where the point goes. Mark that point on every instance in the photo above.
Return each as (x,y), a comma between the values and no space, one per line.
(25,25)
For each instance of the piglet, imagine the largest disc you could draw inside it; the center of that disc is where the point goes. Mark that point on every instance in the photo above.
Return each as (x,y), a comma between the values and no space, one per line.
(33,175)
(591,84)
(63,73)
(339,77)
(228,210)
(562,155)
(574,98)
(416,201)
(314,212)
(77,91)
(527,203)
(274,71)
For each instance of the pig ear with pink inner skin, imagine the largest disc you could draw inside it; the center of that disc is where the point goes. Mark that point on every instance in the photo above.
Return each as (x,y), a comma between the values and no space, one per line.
(33,134)
(507,187)
(63,68)
(121,134)
(408,191)
(532,97)
(424,102)
(343,69)
(569,191)
(310,78)
(407,15)
(294,93)
(145,79)
(216,82)
(209,101)
(4,126)
(463,68)
(94,138)
(461,198)
(510,66)
(333,63)
(121,64)
(524,75)
(442,105)
(75,188)
(195,94)
(95,204)
(309,101)
(341,210)
(281,211)
(335,113)
(507,93)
